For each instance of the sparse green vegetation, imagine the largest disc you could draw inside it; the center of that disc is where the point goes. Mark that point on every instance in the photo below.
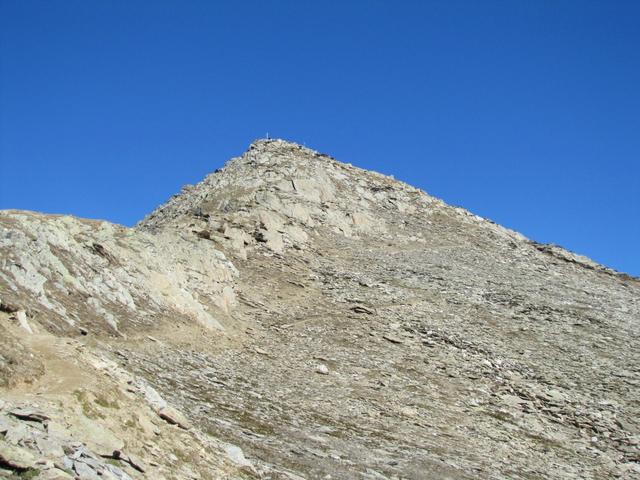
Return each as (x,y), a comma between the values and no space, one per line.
(29,473)
(105,402)
(88,407)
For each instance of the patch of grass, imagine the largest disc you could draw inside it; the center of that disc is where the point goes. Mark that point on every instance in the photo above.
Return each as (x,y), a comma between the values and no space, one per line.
(104,402)
(254,424)
(89,410)
(29,473)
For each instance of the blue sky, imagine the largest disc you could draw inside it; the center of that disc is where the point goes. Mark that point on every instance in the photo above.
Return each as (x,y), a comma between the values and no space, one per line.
(527,113)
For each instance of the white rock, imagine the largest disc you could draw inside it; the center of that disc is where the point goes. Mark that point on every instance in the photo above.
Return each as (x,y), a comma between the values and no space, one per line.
(21,316)
(236,455)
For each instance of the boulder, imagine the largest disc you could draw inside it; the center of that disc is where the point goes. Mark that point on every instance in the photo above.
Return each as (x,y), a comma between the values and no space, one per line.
(55,474)
(29,413)
(16,457)
(174,417)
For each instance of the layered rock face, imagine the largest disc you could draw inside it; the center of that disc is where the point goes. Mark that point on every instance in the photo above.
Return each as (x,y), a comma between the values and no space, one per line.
(85,272)
(292,316)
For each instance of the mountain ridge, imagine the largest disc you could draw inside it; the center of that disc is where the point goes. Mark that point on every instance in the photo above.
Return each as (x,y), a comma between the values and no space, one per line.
(278,147)
(292,316)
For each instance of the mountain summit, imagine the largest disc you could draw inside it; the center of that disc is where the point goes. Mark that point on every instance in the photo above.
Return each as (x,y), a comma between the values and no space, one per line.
(292,316)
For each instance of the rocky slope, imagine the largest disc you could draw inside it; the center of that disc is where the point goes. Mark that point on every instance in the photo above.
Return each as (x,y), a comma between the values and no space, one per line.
(292,317)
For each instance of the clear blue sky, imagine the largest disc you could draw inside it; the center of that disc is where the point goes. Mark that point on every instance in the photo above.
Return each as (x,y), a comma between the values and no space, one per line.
(525,112)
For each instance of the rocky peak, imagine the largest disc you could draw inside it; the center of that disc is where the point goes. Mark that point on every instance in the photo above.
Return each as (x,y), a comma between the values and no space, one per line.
(324,320)
(279,193)
(264,149)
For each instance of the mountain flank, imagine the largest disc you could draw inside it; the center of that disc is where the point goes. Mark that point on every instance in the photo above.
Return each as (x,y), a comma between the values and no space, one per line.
(292,316)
